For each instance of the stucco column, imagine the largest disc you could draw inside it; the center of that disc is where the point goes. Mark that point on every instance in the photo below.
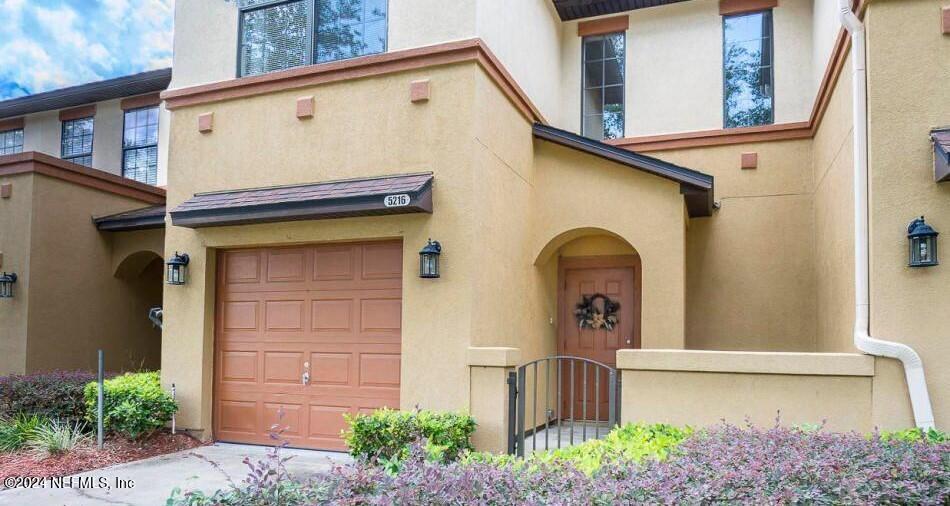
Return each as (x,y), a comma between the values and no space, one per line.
(489,369)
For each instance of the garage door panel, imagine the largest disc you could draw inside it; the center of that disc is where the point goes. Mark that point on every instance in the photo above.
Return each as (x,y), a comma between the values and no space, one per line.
(238,366)
(285,315)
(335,308)
(287,266)
(242,267)
(333,315)
(283,367)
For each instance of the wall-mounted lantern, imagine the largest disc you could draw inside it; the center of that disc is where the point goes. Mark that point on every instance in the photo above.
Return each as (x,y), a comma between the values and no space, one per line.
(6,285)
(923,244)
(177,273)
(429,260)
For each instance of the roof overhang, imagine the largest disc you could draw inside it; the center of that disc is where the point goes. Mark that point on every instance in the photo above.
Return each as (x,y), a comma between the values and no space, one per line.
(377,196)
(577,9)
(696,187)
(110,89)
(31,162)
(137,219)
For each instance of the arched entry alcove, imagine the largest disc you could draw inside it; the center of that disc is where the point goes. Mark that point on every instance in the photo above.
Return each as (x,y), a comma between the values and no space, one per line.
(596,265)
(140,277)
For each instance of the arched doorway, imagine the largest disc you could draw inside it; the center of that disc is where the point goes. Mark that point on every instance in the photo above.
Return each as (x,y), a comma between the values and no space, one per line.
(141,277)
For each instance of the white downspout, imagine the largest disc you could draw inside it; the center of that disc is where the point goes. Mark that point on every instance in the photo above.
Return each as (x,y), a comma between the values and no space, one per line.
(913,366)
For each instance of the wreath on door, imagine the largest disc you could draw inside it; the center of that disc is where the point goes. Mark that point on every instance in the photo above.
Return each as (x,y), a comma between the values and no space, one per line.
(590,317)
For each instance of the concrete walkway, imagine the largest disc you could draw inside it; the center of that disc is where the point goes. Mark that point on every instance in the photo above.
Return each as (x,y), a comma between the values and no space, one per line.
(152,480)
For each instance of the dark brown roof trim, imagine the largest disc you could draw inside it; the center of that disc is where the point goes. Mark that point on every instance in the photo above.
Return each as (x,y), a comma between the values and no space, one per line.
(120,87)
(317,201)
(696,186)
(137,219)
(50,166)
(577,9)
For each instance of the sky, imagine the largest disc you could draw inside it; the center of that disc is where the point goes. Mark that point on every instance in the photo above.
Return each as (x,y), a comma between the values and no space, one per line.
(50,44)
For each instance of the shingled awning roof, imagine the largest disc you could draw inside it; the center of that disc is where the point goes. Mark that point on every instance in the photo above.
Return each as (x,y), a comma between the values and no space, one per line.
(696,187)
(401,194)
(136,219)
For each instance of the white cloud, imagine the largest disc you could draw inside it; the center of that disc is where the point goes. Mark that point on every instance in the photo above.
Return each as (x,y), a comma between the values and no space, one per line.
(47,44)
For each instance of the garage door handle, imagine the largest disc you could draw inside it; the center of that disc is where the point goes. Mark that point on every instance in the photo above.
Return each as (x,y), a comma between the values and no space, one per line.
(305,378)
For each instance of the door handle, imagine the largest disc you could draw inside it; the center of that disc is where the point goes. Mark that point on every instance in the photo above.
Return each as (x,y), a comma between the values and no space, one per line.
(629,342)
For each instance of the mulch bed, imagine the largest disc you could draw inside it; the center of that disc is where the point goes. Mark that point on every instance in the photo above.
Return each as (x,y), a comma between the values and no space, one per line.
(117,450)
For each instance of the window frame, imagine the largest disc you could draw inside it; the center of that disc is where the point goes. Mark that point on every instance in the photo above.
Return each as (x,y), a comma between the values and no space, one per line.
(725,110)
(146,146)
(22,140)
(311,6)
(603,87)
(62,140)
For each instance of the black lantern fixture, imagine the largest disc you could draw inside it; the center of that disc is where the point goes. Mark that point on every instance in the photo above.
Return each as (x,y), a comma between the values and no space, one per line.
(177,273)
(6,285)
(923,244)
(429,260)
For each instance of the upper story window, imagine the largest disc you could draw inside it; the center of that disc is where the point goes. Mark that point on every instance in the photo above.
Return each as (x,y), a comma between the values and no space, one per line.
(280,34)
(140,145)
(11,141)
(748,89)
(602,101)
(77,141)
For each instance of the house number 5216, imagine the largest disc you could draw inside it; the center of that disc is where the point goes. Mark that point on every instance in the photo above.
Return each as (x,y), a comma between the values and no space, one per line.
(400,200)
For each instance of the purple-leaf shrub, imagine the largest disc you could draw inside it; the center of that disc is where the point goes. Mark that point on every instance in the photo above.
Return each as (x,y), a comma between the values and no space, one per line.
(56,394)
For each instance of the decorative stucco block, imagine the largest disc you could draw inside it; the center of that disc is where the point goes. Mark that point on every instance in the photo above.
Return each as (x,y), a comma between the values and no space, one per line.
(419,91)
(305,107)
(750,160)
(206,122)
(6,190)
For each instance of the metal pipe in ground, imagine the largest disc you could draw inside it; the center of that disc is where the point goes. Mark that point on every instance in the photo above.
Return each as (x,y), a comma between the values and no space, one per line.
(99,399)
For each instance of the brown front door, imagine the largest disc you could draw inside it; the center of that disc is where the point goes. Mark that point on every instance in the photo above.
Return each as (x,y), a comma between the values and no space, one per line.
(311,332)
(618,278)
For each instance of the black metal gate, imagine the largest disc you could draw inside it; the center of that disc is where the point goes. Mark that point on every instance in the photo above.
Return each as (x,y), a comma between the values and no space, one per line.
(582,402)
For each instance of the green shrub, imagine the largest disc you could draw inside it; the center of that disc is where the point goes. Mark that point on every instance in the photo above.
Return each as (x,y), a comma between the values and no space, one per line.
(916,435)
(628,443)
(56,437)
(134,404)
(16,432)
(56,395)
(387,434)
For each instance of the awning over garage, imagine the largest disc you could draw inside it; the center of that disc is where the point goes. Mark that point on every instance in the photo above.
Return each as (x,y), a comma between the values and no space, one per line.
(400,194)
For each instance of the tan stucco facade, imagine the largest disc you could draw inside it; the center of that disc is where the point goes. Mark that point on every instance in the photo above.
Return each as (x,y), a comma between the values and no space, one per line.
(771,271)
(73,294)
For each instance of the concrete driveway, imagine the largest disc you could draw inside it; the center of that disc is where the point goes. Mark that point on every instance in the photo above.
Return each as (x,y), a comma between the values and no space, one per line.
(149,482)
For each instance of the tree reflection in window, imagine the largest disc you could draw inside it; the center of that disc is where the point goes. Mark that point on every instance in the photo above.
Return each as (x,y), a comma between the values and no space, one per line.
(747,70)
(349,28)
(602,102)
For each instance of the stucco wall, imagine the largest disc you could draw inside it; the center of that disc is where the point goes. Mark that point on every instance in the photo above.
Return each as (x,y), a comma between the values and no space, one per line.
(832,161)
(16,216)
(42,132)
(70,260)
(674,68)
(703,388)
(908,71)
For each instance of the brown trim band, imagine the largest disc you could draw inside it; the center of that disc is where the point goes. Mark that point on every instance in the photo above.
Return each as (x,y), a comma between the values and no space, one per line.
(140,101)
(11,124)
(471,50)
(40,163)
(85,111)
(765,133)
(603,26)
(730,7)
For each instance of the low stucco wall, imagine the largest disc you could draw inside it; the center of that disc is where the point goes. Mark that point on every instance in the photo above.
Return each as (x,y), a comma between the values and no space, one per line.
(702,388)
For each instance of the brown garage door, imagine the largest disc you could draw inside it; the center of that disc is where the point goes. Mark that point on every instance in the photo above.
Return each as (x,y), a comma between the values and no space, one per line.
(333,311)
